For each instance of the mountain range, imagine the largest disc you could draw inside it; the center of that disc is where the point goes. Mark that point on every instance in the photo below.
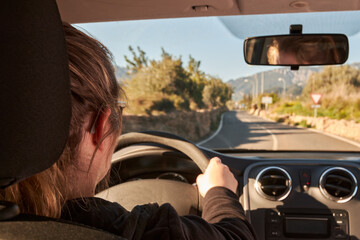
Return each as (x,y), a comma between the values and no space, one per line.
(273,81)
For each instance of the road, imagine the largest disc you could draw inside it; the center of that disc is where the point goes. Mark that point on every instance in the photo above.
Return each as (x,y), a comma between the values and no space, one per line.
(242,130)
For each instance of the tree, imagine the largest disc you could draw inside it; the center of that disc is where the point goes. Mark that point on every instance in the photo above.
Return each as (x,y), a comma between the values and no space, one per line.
(208,96)
(247,100)
(333,79)
(165,85)
(138,62)
(198,79)
(216,93)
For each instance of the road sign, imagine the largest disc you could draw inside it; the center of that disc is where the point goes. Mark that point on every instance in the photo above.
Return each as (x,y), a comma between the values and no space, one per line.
(316,97)
(315,107)
(268,100)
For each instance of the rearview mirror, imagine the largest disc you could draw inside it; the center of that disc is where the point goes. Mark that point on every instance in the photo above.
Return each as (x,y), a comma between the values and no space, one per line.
(297,50)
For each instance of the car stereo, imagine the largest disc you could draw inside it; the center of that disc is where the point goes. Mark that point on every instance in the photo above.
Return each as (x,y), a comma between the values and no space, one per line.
(306,223)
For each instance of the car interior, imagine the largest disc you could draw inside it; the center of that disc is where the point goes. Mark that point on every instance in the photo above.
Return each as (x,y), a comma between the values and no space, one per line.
(285,194)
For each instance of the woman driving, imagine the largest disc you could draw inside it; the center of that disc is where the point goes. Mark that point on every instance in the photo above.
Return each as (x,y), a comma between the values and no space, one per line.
(66,190)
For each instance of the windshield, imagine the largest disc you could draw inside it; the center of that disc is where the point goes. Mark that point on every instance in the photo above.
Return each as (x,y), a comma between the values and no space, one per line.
(188,76)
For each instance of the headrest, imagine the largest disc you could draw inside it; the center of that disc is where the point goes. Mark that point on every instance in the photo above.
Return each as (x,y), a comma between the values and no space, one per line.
(35,104)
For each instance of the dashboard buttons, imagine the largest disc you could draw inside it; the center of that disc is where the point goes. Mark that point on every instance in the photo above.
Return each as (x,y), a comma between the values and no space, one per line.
(275,233)
(340,231)
(273,225)
(341,215)
(274,220)
(305,179)
(273,213)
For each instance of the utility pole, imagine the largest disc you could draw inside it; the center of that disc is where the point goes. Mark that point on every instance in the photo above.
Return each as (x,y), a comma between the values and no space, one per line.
(284,86)
(252,87)
(257,86)
(262,82)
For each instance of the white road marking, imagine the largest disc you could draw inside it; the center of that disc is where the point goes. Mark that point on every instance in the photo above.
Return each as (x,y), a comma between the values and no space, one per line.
(274,138)
(275,141)
(216,133)
(336,137)
(318,131)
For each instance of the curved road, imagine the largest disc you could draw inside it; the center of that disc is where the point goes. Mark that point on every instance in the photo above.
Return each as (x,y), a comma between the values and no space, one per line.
(242,130)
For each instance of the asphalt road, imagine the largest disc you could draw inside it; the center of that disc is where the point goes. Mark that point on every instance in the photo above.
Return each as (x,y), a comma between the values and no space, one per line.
(242,130)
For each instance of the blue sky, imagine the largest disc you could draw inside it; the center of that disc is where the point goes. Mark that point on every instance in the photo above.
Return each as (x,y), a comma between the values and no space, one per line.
(208,39)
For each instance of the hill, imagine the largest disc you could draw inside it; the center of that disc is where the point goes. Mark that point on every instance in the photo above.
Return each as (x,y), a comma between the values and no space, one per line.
(295,81)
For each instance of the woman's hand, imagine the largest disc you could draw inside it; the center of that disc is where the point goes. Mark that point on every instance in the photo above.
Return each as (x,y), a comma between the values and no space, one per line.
(216,175)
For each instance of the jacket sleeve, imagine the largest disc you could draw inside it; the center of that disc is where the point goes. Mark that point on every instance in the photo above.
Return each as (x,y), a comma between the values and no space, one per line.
(223,218)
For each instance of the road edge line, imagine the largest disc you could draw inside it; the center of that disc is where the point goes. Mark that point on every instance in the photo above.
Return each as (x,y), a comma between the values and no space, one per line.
(336,137)
(356,144)
(216,133)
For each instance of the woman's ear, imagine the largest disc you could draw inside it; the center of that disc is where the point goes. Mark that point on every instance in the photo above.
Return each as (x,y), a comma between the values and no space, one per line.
(101,126)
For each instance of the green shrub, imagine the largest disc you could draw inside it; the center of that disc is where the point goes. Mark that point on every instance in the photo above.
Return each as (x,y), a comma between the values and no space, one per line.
(279,119)
(165,105)
(303,123)
(296,108)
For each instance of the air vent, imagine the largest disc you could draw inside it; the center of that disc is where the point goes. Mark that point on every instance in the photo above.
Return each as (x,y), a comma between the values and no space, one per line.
(338,184)
(273,183)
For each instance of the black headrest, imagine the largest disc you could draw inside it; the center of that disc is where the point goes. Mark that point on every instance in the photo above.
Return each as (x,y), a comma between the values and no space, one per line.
(35,104)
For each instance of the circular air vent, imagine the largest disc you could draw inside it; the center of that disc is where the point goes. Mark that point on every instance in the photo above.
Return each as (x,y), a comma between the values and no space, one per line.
(273,183)
(338,184)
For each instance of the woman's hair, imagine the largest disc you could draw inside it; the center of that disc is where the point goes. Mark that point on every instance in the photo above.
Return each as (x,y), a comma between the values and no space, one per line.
(93,88)
(273,53)
(314,50)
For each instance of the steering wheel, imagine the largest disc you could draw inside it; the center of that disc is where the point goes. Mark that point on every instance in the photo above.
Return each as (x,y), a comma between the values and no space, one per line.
(183,197)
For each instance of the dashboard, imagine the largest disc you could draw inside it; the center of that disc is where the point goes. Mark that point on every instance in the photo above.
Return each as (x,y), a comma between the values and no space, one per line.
(302,199)
(285,195)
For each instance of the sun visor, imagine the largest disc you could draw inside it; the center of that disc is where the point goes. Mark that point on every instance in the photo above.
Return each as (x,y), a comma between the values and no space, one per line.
(35,99)
(246,26)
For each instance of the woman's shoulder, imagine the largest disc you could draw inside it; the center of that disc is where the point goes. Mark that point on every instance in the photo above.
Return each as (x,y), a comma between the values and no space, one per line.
(91,210)
(109,216)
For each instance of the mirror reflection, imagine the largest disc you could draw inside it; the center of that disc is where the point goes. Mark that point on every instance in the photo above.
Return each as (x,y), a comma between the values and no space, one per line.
(306,49)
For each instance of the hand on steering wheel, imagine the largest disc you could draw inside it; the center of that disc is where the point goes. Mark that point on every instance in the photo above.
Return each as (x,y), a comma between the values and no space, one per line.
(216,175)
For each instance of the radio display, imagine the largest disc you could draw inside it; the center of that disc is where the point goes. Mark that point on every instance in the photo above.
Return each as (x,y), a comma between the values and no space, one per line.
(306,226)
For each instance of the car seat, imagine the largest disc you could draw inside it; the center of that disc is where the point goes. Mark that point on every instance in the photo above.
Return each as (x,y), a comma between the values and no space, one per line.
(35,111)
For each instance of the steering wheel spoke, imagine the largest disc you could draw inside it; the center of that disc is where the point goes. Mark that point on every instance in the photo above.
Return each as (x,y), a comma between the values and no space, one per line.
(183,197)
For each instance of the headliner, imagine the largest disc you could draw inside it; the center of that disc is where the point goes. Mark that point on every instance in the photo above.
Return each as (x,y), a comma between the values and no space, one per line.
(82,11)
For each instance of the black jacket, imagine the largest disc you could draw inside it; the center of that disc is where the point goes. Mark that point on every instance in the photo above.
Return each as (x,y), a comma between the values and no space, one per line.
(222,218)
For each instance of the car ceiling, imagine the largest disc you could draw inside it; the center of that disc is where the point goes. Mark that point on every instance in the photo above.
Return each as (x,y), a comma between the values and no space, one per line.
(83,11)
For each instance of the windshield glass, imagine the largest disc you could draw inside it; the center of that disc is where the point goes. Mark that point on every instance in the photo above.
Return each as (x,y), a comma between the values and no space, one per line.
(188,76)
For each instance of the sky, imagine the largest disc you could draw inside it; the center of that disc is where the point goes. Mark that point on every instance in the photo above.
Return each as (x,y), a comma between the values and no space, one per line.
(217,41)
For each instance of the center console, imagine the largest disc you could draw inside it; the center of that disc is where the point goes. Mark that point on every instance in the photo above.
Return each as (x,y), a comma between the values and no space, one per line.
(306,223)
